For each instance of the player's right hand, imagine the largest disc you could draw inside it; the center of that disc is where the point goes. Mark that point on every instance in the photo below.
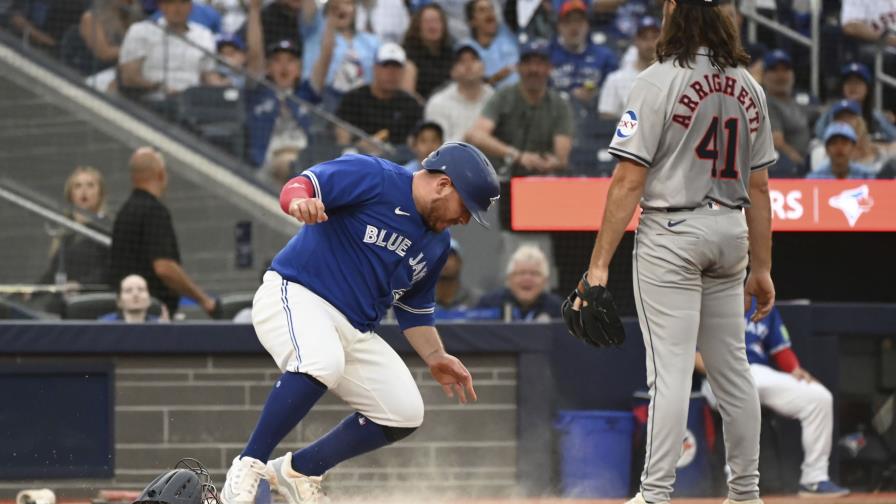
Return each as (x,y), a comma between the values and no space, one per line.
(308,210)
(760,285)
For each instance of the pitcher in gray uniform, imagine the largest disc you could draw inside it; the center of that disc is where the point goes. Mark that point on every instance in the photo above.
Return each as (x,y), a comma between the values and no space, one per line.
(693,146)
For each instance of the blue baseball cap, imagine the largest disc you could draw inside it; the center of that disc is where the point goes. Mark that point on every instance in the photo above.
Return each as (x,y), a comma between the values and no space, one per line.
(777,57)
(647,23)
(466,45)
(230,39)
(285,45)
(535,47)
(840,129)
(846,105)
(471,173)
(859,69)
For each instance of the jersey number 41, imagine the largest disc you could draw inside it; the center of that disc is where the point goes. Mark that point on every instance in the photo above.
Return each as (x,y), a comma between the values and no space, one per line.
(708,148)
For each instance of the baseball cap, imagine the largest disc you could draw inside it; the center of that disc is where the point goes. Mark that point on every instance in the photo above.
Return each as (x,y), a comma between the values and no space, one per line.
(777,57)
(471,173)
(859,69)
(701,3)
(535,47)
(390,52)
(464,46)
(846,105)
(422,125)
(573,6)
(646,23)
(841,129)
(285,45)
(231,40)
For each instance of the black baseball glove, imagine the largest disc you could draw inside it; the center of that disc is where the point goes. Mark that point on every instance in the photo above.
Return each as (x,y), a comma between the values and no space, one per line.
(597,321)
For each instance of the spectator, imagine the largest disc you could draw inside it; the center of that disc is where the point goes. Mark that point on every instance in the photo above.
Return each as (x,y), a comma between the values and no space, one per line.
(132,298)
(757,54)
(870,21)
(427,137)
(74,259)
(201,14)
(103,27)
(525,296)
(789,120)
(496,44)
(152,62)
(856,86)
(382,109)
(233,14)
(614,93)
(44,22)
(232,50)
(580,65)
(354,52)
(143,239)
(286,19)
(527,126)
(456,12)
(840,141)
(387,19)
(279,127)
(618,18)
(428,46)
(789,390)
(457,106)
(451,294)
(530,19)
(867,153)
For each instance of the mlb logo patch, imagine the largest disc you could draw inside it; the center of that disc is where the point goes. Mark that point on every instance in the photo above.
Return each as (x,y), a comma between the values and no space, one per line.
(627,125)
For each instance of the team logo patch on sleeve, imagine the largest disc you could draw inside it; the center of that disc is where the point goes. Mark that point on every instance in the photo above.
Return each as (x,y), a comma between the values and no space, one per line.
(627,125)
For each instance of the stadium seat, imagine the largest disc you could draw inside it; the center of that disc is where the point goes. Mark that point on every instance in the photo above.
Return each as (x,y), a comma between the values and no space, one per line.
(217,114)
(231,304)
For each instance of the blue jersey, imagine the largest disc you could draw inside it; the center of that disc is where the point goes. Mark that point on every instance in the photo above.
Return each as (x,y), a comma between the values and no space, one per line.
(374,251)
(766,337)
(573,70)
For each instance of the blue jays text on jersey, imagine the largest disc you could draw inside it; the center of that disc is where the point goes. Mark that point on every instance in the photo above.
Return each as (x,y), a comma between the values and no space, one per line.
(374,251)
(765,337)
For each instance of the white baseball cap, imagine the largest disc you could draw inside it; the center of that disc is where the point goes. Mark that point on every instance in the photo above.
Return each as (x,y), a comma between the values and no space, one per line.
(390,52)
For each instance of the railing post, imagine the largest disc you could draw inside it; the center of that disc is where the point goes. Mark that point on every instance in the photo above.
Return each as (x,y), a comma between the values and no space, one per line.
(878,81)
(815,47)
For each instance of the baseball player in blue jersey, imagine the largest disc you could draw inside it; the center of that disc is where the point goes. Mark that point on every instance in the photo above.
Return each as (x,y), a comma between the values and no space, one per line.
(374,237)
(789,390)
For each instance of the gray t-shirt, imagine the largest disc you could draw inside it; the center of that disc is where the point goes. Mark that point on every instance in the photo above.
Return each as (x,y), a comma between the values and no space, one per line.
(528,127)
(792,119)
(700,131)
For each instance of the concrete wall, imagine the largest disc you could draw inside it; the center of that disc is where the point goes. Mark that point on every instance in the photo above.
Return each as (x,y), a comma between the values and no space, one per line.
(205,407)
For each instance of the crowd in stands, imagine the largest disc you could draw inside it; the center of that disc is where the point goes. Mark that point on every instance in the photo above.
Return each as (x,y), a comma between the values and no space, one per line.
(535,84)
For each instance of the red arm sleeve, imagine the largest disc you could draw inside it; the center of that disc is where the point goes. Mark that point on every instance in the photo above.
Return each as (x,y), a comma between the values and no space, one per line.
(298,187)
(786,360)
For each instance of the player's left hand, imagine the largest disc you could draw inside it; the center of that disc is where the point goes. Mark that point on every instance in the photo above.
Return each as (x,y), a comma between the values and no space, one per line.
(802,375)
(452,375)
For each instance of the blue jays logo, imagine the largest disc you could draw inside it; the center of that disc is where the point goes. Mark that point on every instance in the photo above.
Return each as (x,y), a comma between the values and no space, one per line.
(853,203)
(627,125)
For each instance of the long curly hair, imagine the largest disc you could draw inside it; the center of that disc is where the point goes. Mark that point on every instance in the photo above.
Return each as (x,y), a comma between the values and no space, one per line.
(690,27)
(413,38)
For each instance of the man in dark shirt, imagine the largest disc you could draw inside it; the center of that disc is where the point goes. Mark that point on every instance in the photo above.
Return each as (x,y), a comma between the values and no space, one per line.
(381,108)
(143,239)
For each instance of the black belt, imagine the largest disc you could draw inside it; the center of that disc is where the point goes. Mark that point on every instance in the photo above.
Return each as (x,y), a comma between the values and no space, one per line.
(710,204)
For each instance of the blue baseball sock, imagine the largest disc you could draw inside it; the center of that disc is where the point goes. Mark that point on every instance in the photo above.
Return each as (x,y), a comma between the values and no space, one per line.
(354,436)
(289,402)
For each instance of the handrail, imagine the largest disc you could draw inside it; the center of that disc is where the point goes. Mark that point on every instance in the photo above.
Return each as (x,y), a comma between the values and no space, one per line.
(881,79)
(55,217)
(316,109)
(753,18)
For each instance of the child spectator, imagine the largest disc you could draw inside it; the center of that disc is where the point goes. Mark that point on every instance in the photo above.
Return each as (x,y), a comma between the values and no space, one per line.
(426,138)
(839,141)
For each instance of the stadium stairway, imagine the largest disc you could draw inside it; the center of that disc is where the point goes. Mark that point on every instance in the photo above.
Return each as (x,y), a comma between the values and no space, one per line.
(49,124)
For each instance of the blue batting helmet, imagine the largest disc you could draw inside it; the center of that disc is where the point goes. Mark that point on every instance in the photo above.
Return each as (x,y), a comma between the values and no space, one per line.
(471,173)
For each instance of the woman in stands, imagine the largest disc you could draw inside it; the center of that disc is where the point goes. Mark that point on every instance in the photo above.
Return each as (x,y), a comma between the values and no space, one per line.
(102,29)
(428,46)
(856,86)
(133,303)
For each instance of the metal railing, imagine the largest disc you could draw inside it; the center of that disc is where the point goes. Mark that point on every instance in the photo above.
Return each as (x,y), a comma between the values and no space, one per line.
(754,18)
(881,79)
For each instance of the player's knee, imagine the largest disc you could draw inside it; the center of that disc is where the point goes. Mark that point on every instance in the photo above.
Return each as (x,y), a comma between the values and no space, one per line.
(395,434)
(409,411)
(822,396)
(328,370)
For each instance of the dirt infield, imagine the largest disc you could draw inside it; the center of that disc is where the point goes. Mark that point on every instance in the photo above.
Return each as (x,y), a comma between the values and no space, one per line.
(887,498)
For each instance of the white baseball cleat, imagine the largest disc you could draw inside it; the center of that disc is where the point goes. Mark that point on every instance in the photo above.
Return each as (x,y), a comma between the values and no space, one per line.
(639,499)
(295,487)
(242,480)
(751,501)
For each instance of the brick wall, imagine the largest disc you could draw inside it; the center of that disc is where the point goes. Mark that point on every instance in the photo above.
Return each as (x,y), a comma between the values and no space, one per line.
(203,407)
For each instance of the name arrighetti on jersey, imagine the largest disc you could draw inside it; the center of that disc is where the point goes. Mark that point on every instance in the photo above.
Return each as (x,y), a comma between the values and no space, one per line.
(699,89)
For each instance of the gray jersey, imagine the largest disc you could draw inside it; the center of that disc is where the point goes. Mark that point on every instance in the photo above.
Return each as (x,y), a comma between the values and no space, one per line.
(700,131)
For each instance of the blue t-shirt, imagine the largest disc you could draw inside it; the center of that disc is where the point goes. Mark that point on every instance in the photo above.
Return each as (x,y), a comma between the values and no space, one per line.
(351,65)
(118,317)
(374,251)
(572,70)
(263,109)
(503,51)
(856,171)
(766,337)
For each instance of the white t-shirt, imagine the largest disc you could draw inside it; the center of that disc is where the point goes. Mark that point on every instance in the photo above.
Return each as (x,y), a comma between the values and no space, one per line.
(167,58)
(879,14)
(615,91)
(454,113)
